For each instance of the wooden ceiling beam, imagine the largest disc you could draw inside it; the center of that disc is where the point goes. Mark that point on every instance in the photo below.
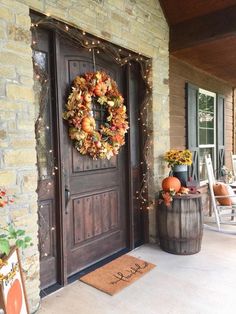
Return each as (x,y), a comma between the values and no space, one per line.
(203,29)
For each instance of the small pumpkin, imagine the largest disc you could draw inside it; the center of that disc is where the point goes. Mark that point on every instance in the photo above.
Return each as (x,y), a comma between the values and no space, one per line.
(171,183)
(88,124)
(100,89)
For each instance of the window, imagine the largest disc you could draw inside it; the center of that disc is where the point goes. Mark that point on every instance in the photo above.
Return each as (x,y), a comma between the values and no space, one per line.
(205,130)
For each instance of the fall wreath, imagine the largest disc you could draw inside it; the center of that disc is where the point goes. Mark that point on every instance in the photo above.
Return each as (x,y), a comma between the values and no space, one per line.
(94,90)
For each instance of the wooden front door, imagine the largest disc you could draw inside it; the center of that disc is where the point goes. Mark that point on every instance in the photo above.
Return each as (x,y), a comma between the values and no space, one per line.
(95,217)
(88,209)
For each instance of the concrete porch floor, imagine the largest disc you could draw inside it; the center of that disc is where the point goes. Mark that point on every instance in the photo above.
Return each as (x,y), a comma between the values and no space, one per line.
(204,283)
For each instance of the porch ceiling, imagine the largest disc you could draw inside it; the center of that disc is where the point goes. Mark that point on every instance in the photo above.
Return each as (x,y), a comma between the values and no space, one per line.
(203,33)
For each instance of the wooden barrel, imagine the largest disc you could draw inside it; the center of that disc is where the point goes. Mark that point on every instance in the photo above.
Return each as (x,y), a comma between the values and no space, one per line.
(180,225)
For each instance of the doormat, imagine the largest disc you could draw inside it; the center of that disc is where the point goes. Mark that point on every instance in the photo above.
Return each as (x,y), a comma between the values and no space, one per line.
(117,274)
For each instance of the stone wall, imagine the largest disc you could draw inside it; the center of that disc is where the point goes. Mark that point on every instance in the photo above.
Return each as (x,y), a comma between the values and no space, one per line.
(18,173)
(138,25)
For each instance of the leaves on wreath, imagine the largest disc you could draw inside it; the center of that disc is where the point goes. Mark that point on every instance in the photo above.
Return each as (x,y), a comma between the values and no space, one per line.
(105,142)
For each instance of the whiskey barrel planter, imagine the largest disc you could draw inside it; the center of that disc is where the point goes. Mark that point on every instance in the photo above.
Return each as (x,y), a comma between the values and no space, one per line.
(180,225)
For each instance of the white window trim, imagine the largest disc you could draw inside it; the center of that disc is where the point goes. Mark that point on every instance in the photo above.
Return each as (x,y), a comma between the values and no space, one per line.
(206,92)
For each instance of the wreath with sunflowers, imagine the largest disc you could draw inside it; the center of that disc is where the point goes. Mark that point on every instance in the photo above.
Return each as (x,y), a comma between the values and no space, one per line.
(96,88)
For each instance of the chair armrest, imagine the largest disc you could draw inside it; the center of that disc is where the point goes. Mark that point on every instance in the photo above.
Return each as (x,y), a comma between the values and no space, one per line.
(224,196)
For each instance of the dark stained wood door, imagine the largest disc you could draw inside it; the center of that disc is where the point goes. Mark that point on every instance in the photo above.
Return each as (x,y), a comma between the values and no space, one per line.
(47,173)
(96,207)
(101,216)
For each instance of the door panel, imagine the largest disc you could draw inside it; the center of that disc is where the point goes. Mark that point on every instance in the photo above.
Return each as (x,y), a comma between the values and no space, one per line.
(96,222)
(45,163)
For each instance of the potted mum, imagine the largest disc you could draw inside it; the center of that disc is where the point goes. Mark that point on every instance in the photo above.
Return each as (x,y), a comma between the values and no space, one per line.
(9,235)
(179,160)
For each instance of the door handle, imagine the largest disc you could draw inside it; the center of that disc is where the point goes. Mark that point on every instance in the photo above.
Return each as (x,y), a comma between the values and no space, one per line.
(67,198)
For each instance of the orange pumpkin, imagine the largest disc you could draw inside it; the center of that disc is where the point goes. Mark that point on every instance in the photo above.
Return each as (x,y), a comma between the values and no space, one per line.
(100,89)
(14,298)
(171,183)
(88,124)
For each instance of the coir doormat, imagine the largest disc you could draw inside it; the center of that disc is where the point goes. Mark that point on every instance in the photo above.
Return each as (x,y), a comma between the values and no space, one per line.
(117,274)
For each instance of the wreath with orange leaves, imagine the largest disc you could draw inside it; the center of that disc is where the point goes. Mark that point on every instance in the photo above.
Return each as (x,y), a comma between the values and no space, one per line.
(96,88)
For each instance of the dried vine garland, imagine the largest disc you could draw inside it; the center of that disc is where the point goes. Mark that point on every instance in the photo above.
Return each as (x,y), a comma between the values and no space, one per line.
(121,57)
(99,89)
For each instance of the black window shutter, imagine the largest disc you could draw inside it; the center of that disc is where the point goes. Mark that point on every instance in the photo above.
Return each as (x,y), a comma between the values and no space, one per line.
(220,133)
(192,128)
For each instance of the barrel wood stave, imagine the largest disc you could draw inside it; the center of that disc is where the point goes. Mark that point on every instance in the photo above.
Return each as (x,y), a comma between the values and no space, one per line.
(180,225)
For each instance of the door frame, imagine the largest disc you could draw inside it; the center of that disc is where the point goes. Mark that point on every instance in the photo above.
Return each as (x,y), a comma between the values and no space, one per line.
(58,135)
(131,192)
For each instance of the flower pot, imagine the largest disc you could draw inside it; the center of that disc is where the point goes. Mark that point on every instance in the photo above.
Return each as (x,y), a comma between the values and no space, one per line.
(181,172)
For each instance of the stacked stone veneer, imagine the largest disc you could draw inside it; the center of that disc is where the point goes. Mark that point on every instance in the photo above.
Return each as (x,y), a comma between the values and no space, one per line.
(18,173)
(138,25)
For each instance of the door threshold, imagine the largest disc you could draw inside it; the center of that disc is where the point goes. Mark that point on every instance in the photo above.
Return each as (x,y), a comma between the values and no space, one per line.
(97,265)
(50,290)
(54,288)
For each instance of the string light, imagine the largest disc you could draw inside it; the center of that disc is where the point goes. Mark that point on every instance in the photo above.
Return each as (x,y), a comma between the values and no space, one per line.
(125,59)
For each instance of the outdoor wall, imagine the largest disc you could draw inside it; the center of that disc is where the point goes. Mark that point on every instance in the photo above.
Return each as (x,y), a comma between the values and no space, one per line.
(18,173)
(181,73)
(138,25)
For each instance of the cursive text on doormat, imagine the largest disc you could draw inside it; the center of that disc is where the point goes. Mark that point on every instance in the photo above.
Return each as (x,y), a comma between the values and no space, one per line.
(131,272)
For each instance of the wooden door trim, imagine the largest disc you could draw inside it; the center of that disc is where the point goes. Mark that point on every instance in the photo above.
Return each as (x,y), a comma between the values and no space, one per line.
(132,190)
(59,126)
(130,212)
(62,261)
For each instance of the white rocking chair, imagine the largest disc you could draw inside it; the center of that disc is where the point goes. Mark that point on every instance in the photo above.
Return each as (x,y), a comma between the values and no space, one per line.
(224,215)
(233,159)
